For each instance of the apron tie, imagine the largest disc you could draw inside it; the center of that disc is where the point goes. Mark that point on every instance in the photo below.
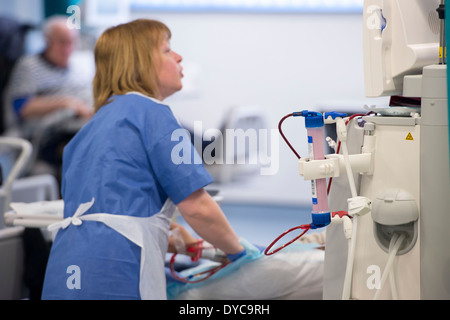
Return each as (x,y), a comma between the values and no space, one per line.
(75,219)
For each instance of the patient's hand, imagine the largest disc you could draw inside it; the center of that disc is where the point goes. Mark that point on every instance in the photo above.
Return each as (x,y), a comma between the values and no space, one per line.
(187,238)
(80,107)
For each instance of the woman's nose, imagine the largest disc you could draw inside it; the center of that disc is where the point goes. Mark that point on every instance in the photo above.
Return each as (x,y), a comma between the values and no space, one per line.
(178,57)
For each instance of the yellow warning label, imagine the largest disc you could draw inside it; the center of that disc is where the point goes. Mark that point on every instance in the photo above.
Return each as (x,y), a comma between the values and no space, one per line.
(409,137)
(442,52)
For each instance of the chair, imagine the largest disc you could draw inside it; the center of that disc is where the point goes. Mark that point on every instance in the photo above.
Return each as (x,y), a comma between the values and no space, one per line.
(11,265)
(15,154)
(239,152)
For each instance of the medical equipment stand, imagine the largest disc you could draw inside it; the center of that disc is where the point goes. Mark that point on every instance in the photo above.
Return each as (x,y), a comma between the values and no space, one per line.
(434,186)
(435,181)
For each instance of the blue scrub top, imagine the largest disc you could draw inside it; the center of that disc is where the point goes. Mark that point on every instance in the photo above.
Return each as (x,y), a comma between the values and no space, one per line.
(123,159)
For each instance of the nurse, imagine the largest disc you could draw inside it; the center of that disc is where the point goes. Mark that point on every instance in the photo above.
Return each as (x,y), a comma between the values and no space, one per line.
(120,184)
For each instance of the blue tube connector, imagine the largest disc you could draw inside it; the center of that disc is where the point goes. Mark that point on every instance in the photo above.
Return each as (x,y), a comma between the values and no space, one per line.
(335,114)
(312,119)
(320,220)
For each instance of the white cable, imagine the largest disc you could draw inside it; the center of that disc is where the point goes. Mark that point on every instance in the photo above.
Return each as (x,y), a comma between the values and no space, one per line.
(348,168)
(346,292)
(393,249)
(394,289)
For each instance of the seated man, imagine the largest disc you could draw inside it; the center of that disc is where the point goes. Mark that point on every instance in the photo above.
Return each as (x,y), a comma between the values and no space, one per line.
(50,81)
(295,272)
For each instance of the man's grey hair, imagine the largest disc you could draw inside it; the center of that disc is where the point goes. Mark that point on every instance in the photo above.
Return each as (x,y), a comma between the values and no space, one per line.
(52,22)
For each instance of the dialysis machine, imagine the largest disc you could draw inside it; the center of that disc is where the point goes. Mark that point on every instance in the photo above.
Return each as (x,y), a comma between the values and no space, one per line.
(393,178)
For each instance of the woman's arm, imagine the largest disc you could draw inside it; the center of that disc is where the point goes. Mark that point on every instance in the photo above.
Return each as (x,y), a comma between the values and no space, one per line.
(204,215)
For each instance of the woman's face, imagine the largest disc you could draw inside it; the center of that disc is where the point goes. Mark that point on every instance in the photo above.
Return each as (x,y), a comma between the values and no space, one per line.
(169,70)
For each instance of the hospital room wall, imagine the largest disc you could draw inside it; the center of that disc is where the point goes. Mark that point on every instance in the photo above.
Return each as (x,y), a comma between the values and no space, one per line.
(29,11)
(278,62)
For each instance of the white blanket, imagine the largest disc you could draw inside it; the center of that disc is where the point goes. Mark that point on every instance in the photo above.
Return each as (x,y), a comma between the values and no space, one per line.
(293,273)
(35,214)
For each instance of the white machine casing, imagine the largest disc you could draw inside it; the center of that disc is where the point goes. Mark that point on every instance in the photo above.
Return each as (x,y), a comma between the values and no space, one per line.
(396,167)
(390,51)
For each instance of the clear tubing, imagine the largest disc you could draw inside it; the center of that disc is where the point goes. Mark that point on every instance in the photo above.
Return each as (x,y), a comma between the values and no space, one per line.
(319,186)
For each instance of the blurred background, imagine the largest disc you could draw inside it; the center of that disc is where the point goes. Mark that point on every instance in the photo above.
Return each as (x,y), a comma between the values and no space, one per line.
(272,57)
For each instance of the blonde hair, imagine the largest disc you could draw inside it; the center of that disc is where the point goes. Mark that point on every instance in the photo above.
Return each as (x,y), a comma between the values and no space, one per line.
(124,59)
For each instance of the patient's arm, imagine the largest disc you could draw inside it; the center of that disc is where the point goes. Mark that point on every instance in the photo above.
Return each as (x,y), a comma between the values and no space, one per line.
(316,237)
(42,105)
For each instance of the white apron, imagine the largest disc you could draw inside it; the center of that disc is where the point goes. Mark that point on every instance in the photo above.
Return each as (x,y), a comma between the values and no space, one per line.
(150,234)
